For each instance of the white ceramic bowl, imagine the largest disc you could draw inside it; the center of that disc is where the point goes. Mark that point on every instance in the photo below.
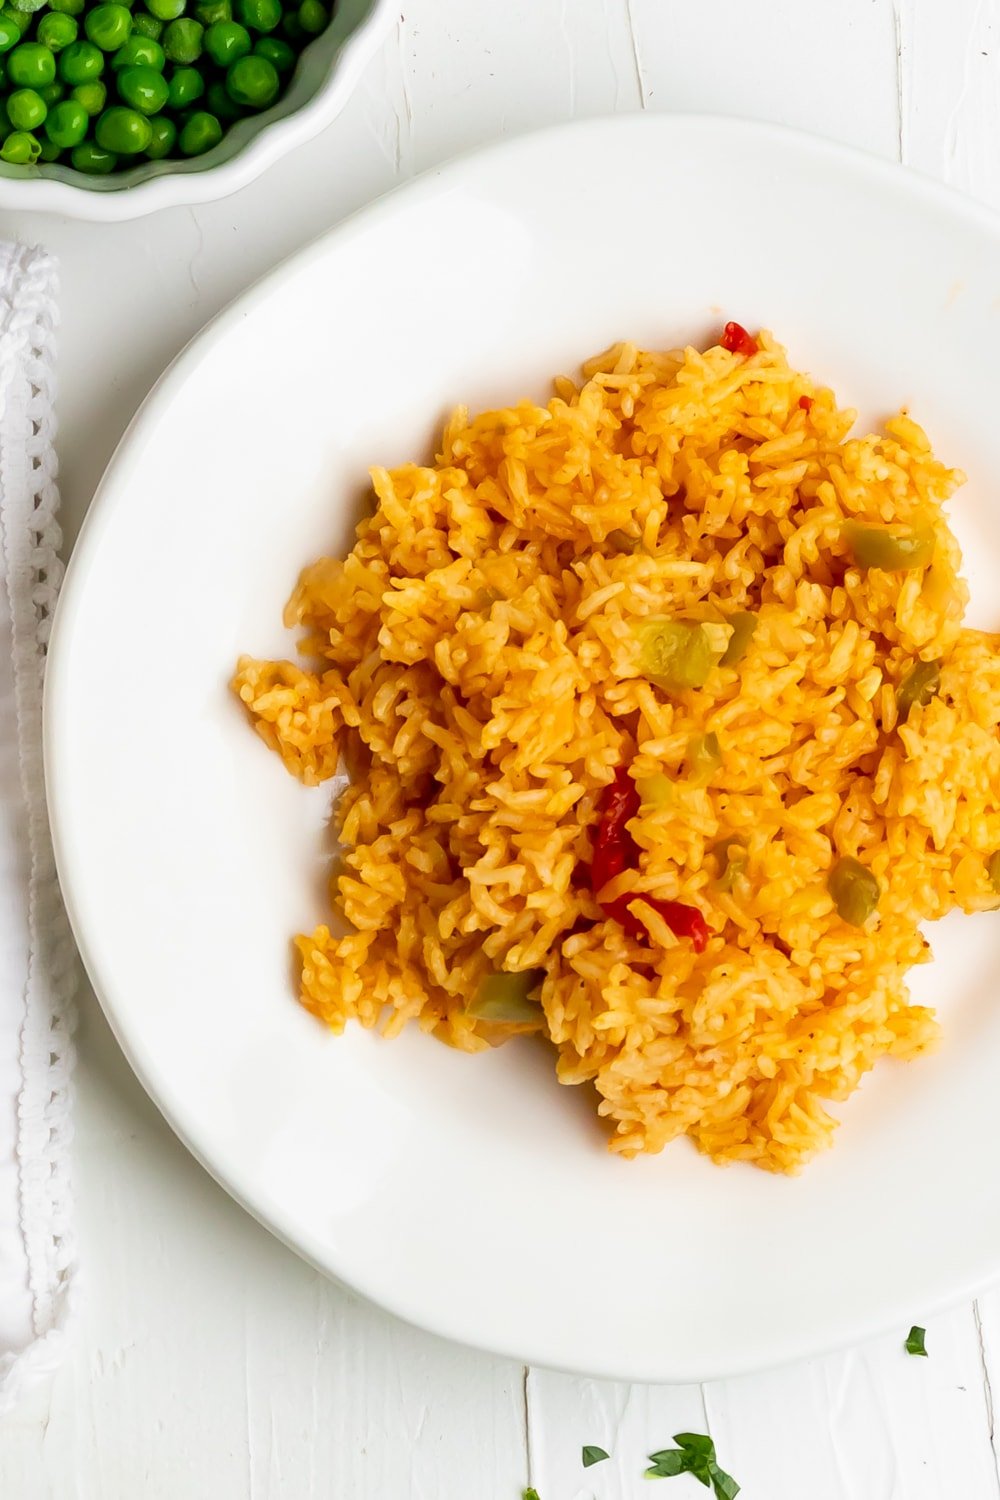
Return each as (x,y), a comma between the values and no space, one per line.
(323,81)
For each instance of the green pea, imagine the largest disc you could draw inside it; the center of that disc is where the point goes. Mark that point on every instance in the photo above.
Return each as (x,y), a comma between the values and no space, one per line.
(221,104)
(88,157)
(921,683)
(52,93)
(108,26)
(140,52)
(259,15)
(21,149)
(56,31)
(277,52)
(49,151)
(253,81)
(67,124)
(854,889)
(744,628)
(210,11)
(292,27)
(675,654)
(68,7)
(31,66)
(182,40)
(81,62)
(22,19)
(163,137)
(26,109)
(166,10)
(225,41)
(313,17)
(893,551)
(92,96)
(123,131)
(146,25)
(199,134)
(186,85)
(10,34)
(144,89)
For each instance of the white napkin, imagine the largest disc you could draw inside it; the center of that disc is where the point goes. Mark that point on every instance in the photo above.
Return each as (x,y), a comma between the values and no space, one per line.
(37,966)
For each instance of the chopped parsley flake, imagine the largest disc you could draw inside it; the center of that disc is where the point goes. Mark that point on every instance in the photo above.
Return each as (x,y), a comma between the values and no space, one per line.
(694,1454)
(593,1456)
(915,1341)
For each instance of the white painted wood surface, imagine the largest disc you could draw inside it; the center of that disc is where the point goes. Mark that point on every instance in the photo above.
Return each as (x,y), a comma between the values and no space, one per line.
(209,1362)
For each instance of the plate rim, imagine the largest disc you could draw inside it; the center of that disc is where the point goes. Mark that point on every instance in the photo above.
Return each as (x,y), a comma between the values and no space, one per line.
(786,1346)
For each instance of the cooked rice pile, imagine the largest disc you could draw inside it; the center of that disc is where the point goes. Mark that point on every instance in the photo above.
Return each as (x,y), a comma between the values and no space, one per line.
(476,667)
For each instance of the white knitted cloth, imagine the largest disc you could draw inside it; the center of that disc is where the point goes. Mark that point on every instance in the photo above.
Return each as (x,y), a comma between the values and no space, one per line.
(37,965)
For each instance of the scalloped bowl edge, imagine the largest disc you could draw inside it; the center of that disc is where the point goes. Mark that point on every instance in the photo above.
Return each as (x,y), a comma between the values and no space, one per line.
(326,78)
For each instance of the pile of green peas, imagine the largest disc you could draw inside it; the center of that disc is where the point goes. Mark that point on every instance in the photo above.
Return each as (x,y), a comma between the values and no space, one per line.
(105,87)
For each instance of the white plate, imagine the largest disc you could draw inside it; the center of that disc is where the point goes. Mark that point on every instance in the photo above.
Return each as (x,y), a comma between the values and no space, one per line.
(321,85)
(473,1195)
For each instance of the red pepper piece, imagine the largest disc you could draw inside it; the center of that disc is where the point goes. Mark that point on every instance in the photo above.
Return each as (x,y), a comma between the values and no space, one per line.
(736,339)
(806,403)
(685,921)
(615,850)
(614,846)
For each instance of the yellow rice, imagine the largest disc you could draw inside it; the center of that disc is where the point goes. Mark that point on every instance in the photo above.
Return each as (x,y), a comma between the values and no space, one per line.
(473,661)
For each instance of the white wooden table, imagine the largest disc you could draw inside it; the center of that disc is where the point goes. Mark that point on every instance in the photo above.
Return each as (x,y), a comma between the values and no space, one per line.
(209,1362)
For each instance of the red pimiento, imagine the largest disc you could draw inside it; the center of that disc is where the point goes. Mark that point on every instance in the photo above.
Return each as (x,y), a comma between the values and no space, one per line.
(614,846)
(736,339)
(685,921)
(616,850)
(806,403)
